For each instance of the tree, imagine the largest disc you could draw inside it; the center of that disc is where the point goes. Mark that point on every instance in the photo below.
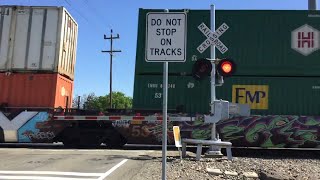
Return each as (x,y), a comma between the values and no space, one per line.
(120,100)
(86,101)
(92,102)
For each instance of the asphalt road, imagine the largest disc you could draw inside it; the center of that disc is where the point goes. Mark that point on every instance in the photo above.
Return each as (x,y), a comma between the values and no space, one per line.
(39,163)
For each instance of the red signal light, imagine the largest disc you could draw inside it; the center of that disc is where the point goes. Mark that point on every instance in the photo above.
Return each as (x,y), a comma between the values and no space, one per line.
(202,68)
(226,67)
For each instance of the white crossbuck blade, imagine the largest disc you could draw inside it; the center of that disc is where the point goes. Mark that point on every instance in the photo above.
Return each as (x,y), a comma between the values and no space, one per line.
(212,38)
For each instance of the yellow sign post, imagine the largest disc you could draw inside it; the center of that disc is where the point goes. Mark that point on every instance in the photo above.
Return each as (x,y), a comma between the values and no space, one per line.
(177,139)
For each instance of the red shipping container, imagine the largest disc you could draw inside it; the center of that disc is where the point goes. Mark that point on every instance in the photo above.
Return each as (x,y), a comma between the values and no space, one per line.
(35,90)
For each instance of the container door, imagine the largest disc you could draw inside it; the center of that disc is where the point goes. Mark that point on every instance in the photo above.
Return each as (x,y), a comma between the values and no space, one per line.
(5,23)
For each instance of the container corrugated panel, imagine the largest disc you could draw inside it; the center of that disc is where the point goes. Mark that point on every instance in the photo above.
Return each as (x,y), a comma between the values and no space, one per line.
(265,95)
(182,91)
(274,95)
(37,39)
(261,42)
(35,90)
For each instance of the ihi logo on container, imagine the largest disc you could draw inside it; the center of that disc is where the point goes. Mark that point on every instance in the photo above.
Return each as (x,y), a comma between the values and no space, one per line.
(254,95)
(305,39)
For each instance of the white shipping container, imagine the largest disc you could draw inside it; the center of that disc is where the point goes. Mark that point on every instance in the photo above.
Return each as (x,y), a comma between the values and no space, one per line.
(37,39)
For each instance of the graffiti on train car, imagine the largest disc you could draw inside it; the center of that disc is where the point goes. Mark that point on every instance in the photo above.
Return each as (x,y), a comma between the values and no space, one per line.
(255,131)
(272,131)
(280,131)
(145,132)
(28,126)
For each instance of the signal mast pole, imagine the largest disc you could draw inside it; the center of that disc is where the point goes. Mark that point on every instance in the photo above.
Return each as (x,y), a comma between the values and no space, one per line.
(213,73)
(111,51)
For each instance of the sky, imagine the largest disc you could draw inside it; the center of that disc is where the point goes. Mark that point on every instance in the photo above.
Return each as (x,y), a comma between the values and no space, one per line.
(97,17)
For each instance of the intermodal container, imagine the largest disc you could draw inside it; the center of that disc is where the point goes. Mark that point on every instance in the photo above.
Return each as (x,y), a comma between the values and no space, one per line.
(265,95)
(184,93)
(261,42)
(35,90)
(34,39)
(274,95)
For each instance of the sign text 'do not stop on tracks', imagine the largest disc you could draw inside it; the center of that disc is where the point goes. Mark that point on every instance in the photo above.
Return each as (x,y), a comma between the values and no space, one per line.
(166,37)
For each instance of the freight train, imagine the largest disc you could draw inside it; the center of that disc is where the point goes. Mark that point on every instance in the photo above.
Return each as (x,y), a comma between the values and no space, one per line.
(276,52)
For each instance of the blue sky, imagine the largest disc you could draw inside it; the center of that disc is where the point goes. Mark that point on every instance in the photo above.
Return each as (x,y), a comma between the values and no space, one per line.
(96,17)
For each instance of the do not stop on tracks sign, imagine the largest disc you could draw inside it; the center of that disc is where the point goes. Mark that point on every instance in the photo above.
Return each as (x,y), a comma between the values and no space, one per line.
(166,37)
(166,42)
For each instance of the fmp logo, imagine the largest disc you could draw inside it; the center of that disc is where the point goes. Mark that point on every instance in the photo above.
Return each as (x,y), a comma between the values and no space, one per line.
(254,95)
(305,40)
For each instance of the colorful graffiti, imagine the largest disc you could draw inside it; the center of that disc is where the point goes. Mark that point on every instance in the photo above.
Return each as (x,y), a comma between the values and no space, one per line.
(28,127)
(254,131)
(35,130)
(11,122)
(144,132)
(272,131)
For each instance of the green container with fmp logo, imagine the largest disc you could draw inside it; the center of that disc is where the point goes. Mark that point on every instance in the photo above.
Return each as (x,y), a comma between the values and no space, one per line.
(277,56)
(274,95)
(266,95)
(261,42)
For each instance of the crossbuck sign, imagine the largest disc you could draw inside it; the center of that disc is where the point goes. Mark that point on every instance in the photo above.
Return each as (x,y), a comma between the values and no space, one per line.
(212,38)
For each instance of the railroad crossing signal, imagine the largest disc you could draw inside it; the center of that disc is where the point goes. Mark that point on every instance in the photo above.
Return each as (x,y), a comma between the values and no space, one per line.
(226,67)
(212,38)
(203,67)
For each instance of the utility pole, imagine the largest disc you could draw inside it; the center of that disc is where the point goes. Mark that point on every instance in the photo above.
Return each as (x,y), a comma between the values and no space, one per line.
(312,4)
(111,51)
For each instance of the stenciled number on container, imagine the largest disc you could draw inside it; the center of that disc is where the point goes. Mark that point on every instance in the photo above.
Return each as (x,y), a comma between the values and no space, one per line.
(157,95)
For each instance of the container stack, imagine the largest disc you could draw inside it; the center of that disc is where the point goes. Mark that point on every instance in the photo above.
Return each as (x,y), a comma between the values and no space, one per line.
(184,92)
(277,56)
(37,56)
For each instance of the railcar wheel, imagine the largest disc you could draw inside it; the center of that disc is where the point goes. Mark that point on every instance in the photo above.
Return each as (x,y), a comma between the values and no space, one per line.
(69,143)
(90,142)
(116,141)
(82,142)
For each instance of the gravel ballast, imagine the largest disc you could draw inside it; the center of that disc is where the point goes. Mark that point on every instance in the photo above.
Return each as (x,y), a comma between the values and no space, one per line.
(255,164)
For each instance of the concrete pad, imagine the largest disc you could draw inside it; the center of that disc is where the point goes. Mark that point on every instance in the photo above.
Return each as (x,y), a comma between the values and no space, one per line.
(250,174)
(231,173)
(214,171)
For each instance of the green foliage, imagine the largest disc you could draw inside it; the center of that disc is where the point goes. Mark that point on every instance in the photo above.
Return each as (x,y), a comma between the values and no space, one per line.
(91,101)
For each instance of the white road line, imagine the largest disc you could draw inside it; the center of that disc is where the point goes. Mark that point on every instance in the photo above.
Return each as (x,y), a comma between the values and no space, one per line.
(53,173)
(113,169)
(41,178)
(70,150)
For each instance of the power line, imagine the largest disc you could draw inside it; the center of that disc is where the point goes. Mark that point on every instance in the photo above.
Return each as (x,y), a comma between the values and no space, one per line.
(82,15)
(96,12)
(67,2)
(76,10)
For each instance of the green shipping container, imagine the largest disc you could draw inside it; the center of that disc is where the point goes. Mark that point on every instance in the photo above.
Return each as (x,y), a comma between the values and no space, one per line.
(274,95)
(266,95)
(261,42)
(184,91)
